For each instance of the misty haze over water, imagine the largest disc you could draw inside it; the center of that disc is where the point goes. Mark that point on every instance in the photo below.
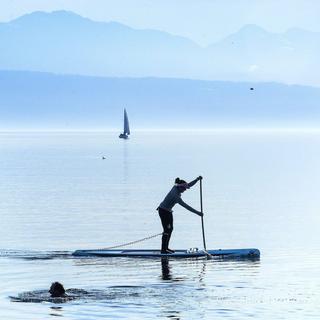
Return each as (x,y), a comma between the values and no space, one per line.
(224,89)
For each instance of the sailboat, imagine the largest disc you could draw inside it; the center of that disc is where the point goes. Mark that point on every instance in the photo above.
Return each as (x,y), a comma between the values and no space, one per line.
(126,129)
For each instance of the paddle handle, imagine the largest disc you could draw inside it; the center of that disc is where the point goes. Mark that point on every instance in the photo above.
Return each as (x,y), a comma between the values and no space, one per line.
(202,223)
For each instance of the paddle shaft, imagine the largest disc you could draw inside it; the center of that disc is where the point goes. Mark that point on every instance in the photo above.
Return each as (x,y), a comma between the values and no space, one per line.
(202,223)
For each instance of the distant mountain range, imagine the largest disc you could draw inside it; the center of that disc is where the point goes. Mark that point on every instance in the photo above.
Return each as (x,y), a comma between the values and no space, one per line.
(45,101)
(63,42)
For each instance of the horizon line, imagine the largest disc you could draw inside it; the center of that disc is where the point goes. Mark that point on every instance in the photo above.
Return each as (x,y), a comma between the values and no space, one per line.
(173,130)
(258,82)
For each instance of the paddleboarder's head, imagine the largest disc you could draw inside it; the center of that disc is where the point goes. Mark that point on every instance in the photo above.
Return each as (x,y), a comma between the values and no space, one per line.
(181,185)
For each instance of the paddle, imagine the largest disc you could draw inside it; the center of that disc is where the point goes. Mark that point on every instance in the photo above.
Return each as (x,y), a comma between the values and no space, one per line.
(202,223)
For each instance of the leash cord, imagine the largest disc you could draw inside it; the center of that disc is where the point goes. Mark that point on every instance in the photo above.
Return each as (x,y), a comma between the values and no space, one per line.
(132,242)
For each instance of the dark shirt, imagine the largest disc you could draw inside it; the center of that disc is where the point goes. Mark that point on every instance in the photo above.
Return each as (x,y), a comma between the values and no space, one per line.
(174,197)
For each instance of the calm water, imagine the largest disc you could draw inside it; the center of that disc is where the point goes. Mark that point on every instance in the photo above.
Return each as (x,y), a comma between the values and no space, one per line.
(260,190)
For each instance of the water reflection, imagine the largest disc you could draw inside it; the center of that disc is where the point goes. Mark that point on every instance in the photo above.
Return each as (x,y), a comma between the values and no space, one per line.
(202,272)
(124,188)
(166,273)
(173,315)
(125,162)
(56,311)
(249,267)
(165,268)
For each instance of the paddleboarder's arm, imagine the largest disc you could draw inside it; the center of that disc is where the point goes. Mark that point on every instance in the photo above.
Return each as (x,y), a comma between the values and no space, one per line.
(192,183)
(183,204)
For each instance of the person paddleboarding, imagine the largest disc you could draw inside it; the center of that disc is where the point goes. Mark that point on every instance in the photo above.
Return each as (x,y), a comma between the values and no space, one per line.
(165,210)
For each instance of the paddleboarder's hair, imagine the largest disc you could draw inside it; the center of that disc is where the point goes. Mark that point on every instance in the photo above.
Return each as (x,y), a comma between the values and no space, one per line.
(179,181)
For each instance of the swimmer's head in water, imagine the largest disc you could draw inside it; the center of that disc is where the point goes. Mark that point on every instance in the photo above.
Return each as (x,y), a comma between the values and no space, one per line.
(57,289)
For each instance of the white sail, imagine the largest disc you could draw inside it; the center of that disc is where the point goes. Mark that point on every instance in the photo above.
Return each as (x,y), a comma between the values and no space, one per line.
(126,128)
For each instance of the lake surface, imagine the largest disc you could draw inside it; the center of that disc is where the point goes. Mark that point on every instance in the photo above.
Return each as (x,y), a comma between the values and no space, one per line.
(260,190)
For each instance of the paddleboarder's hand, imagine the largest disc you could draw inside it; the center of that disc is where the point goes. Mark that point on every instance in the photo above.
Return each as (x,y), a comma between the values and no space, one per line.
(199,178)
(200,214)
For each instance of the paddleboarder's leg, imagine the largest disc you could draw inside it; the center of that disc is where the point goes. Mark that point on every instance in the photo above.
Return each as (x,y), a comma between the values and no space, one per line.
(164,243)
(166,221)
(171,229)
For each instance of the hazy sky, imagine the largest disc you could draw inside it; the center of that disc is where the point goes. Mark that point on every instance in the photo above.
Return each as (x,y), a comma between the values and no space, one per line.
(203,21)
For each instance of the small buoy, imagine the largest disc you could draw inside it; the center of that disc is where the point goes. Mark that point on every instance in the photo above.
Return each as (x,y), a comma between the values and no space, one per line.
(251,88)
(103,158)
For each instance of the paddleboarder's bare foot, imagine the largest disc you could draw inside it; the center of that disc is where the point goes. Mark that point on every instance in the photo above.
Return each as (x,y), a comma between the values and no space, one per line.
(170,250)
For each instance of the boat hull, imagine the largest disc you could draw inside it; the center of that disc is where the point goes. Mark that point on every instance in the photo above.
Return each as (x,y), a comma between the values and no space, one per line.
(220,253)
